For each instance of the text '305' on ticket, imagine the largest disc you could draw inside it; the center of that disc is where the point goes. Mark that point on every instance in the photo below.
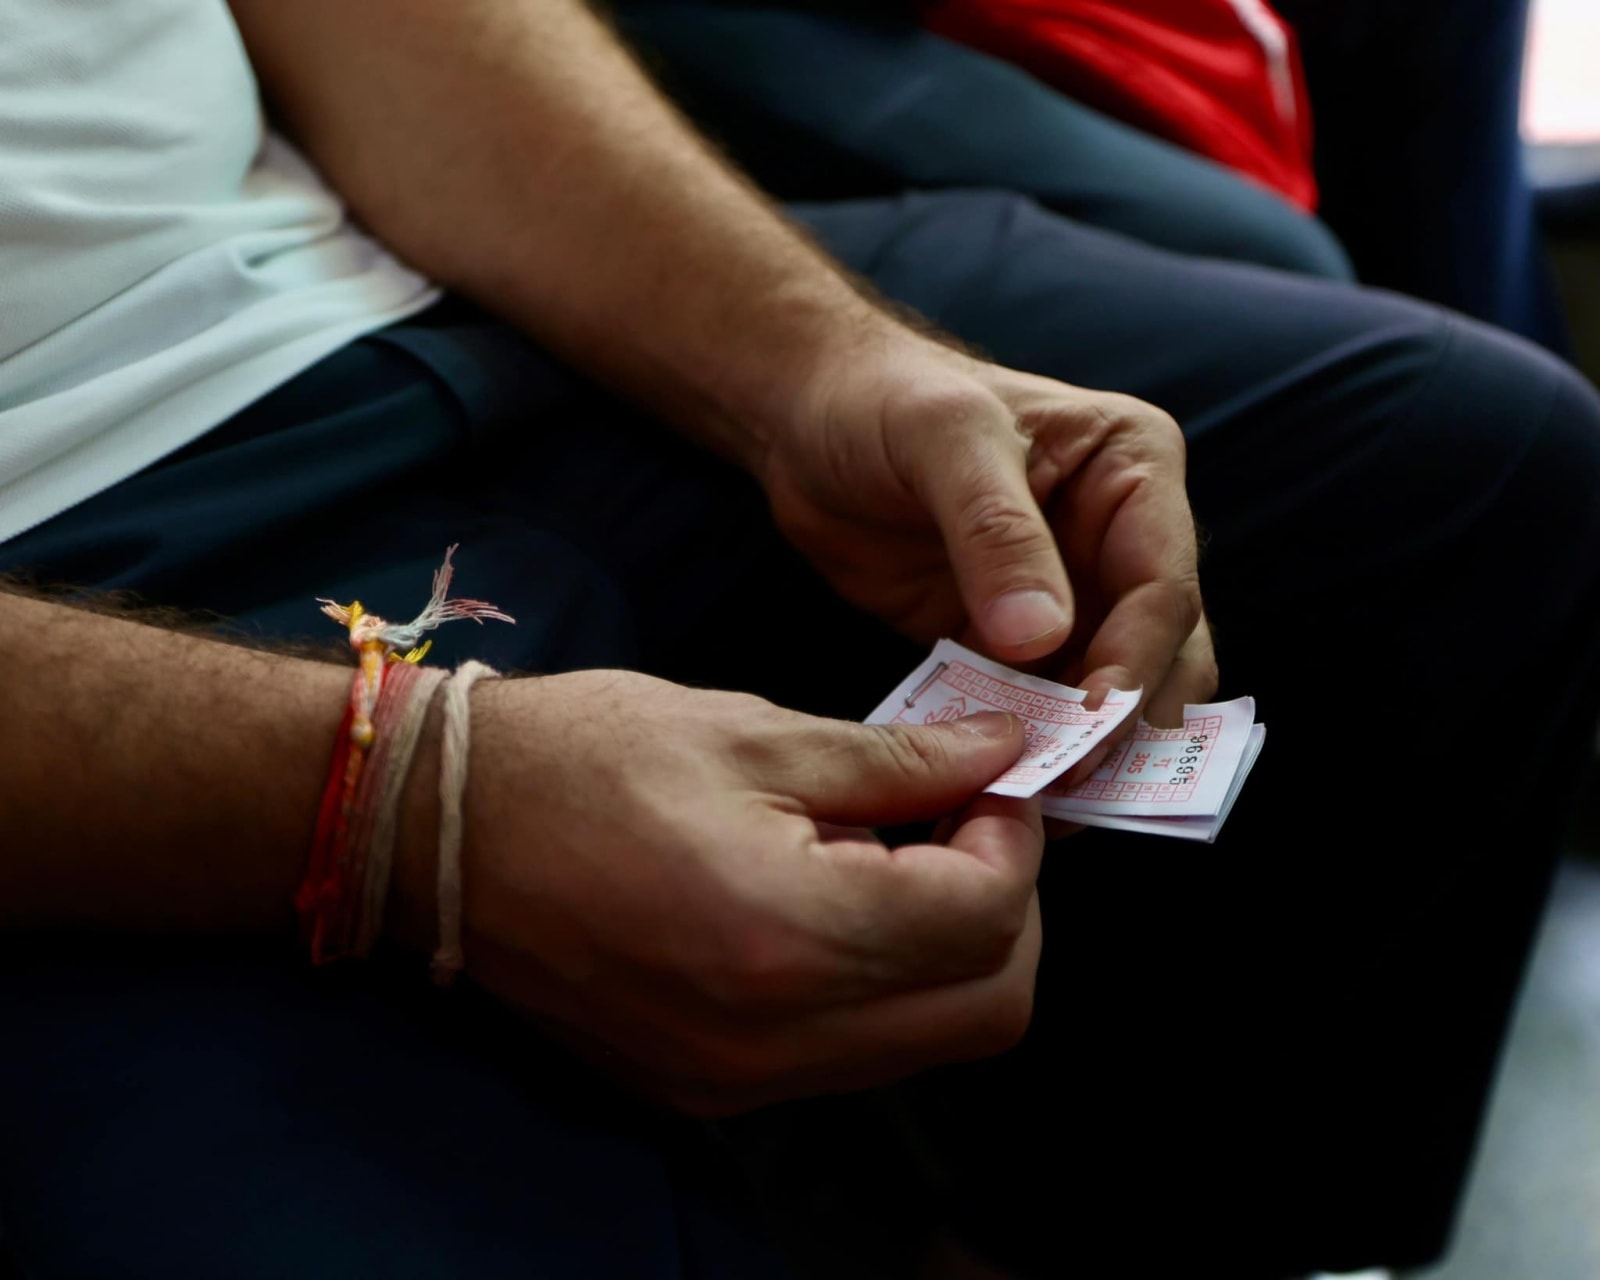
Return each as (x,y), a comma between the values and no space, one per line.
(1187,826)
(953,682)
(1168,773)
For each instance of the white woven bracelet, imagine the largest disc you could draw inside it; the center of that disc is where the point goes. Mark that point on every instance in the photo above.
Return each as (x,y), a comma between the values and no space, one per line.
(455,747)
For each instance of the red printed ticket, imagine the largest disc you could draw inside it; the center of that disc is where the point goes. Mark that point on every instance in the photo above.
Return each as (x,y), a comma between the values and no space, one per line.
(1194,827)
(953,682)
(1168,773)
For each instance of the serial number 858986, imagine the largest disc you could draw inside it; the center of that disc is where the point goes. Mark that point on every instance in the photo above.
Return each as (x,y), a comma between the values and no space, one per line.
(1193,751)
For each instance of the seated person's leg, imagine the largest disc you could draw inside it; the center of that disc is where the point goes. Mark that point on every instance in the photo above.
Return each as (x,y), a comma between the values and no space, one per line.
(818,107)
(173,1116)
(169,1119)
(1376,481)
(1275,1051)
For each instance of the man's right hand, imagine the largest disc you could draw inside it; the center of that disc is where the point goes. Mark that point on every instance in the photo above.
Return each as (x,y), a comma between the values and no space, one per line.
(682,885)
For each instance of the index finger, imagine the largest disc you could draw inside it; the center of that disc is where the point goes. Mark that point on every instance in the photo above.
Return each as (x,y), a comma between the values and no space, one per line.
(1134,526)
(1140,639)
(971,469)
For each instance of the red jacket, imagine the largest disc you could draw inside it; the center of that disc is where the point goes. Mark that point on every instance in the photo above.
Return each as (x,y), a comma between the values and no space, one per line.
(1219,77)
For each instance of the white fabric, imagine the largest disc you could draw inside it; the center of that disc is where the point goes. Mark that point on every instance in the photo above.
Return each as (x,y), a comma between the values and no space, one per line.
(164,259)
(1267,29)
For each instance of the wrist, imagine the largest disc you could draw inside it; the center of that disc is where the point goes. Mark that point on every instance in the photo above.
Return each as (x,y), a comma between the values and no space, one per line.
(413,910)
(873,354)
(775,382)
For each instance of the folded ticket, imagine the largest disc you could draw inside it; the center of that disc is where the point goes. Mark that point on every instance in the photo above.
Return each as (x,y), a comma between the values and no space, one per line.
(953,682)
(1168,782)
(1174,782)
(1168,773)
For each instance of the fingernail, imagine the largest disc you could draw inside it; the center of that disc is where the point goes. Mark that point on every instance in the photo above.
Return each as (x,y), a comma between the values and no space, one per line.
(986,724)
(1020,617)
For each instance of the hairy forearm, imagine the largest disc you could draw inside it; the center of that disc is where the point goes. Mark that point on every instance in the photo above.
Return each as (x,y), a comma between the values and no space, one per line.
(152,780)
(512,150)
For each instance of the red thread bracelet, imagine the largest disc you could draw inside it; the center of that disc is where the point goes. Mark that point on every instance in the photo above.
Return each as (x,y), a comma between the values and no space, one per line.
(319,886)
(339,912)
(329,894)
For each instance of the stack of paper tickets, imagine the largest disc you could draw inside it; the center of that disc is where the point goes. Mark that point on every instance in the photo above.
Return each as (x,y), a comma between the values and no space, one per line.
(1171,782)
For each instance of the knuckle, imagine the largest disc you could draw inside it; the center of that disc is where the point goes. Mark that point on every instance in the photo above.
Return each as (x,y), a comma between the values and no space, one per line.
(990,929)
(996,523)
(1164,425)
(1003,929)
(955,403)
(756,970)
(1006,1017)
(1127,415)
(758,733)
(1188,611)
(963,422)
(1118,406)
(1133,410)
(1103,416)
(913,751)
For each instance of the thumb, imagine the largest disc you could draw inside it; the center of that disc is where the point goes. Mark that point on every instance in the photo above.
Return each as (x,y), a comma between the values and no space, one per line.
(879,775)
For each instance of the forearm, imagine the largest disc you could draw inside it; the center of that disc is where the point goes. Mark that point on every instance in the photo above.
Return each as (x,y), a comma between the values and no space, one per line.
(151,780)
(514,152)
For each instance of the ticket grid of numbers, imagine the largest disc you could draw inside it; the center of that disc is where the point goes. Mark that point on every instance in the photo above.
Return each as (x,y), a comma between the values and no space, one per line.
(1200,826)
(1176,782)
(1155,766)
(953,682)
(1169,772)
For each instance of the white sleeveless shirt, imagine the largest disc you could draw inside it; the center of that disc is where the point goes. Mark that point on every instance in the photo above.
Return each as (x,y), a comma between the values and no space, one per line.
(164,259)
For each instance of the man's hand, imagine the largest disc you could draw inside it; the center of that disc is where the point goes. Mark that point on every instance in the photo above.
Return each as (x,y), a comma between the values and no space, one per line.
(680,883)
(1029,518)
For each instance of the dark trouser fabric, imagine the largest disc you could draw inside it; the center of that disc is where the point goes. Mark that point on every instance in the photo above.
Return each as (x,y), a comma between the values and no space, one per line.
(1263,1057)
(1418,150)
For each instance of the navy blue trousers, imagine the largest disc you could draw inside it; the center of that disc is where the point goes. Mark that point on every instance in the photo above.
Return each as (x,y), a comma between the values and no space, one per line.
(1270,1055)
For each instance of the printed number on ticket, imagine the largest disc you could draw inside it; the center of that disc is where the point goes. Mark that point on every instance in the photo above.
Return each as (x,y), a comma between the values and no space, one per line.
(1169,773)
(1195,827)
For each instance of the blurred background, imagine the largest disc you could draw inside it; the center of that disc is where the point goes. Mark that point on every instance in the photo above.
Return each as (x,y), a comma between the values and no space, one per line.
(1533,1206)
(1561,123)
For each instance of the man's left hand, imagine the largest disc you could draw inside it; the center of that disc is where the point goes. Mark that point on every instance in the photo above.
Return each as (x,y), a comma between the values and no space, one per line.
(1029,518)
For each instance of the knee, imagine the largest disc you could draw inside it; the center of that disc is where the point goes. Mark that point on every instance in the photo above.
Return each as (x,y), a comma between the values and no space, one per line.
(1563,465)
(1516,433)
(1445,457)
(1492,384)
